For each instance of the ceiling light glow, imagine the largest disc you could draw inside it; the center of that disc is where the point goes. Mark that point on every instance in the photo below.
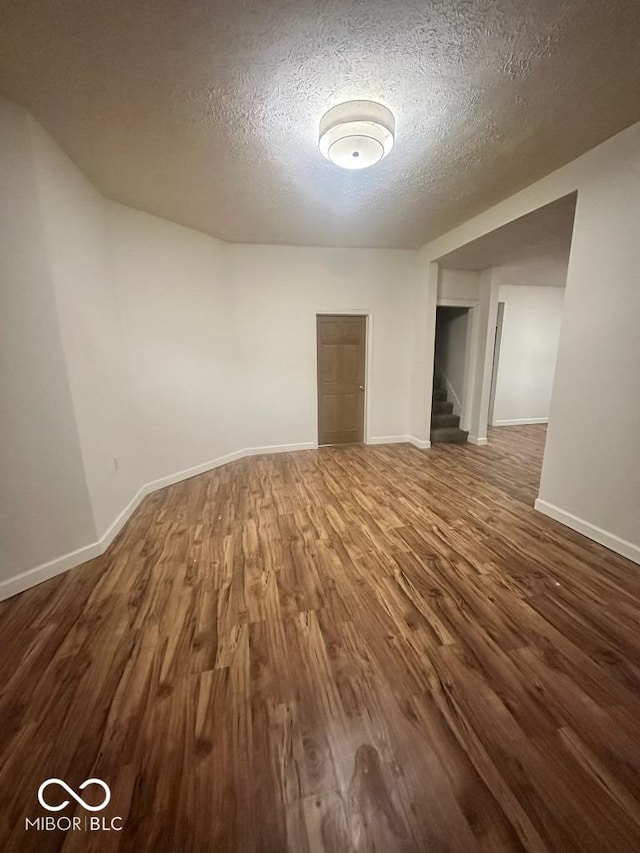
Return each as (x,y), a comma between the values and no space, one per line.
(356,134)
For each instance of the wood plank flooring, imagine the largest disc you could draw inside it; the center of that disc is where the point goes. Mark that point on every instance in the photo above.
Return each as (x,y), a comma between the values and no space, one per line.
(349,649)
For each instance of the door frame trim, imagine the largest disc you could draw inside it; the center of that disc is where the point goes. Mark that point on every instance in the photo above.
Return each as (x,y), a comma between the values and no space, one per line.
(367,313)
(495,366)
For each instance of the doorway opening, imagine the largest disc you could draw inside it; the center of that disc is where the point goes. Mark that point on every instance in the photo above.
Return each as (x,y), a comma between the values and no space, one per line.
(341,371)
(449,410)
(515,276)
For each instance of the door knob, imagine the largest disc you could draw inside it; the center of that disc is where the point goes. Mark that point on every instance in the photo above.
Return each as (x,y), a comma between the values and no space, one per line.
(362,387)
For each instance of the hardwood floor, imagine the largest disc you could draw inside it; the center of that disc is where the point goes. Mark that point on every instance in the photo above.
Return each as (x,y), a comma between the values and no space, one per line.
(350,649)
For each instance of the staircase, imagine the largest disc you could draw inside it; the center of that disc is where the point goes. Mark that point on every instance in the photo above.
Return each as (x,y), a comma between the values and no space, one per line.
(445,426)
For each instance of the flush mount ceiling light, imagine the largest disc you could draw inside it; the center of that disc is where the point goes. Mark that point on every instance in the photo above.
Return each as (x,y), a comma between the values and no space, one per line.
(356,134)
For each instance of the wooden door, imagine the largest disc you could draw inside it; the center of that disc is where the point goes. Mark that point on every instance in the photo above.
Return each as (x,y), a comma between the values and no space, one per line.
(341,371)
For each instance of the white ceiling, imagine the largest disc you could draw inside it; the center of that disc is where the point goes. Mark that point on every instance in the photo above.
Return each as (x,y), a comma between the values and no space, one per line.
(533,249)
(206,112)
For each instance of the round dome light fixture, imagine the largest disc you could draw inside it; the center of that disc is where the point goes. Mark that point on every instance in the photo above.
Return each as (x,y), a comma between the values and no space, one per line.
(356,134)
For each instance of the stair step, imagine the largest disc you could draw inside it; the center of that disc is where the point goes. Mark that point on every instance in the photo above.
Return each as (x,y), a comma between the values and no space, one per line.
(453,435)
(441,407)
(439,394)
(437,382)
(445,419)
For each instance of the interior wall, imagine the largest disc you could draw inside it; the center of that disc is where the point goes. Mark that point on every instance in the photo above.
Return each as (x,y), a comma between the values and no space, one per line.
(45,509)
(589,479)
(528,353)
(72,213)
(461,286)
(452,325)
(178,317)
(222,338)
(486,319)
(423,308)
(278,290)
(591,467)
(546,270)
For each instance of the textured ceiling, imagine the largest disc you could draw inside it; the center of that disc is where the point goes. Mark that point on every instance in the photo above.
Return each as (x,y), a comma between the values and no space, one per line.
(206,111)
(533,249)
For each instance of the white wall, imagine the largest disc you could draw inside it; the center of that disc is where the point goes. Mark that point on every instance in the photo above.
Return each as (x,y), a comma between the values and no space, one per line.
(423,308)
(44,503)
(222,339)
(484,339)
(547,270)
(179,322)
(278,291)
(72,213)
(461,286)
(592,460)
(528,352)
(591,469)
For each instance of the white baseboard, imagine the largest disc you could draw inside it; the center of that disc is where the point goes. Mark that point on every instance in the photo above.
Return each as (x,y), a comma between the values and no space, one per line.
(591,531)
(116,526)
(400,439)
(521,421)
(423,444)
(389,439)
(479,440)
(32,577)
(188,473)
(280,448)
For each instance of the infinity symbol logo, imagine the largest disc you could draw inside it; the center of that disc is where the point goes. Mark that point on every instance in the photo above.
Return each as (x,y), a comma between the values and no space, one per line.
(71,792)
